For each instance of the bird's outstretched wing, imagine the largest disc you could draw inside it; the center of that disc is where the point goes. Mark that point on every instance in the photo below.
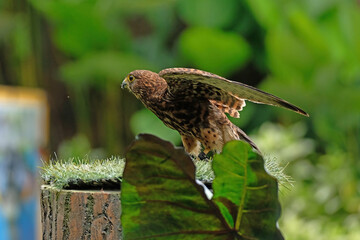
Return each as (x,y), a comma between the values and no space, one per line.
(193,82)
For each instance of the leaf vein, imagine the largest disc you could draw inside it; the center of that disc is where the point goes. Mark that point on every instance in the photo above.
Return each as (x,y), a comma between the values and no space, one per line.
(181,206)
(258,187)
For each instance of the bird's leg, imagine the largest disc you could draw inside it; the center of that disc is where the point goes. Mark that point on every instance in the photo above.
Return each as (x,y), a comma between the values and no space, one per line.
(191,145)
(206,150)
(206,156)
(211,139)
(202,156)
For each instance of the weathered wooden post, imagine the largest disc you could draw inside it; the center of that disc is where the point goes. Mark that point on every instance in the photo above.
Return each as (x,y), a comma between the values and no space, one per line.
(80,214)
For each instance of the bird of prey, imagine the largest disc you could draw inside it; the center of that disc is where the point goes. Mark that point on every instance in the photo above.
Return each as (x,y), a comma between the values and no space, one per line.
(194,103)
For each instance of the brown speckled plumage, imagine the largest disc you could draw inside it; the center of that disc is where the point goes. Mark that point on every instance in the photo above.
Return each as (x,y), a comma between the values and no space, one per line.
(194,103)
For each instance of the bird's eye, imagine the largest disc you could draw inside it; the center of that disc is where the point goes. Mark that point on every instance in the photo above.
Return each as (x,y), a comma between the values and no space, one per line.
(131,78)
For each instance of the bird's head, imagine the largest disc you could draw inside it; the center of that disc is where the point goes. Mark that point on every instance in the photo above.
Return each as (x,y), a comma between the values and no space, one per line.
(143,83)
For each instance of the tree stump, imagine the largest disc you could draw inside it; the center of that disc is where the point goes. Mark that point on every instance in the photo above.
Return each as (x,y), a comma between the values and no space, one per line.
(80,214)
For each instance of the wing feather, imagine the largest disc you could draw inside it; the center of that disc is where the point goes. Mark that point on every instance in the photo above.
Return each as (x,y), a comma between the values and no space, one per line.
(233,112)
(190,86)
(203,83)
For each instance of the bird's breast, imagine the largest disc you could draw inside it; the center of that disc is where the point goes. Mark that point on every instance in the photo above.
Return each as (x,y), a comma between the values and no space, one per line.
(187,117)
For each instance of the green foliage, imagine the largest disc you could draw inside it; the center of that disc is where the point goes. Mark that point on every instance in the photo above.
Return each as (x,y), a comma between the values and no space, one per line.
(76,147)
(230,48)
(142,5)
(312,184)
(81,27)
(208,13)
(294,145)
(152,125)
(161,199)
(316,227)
(320,51)
(100,69)
(245,193)
(313,52)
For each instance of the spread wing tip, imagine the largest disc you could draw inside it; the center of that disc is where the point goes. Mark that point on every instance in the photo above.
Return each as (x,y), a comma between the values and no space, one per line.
(293,108)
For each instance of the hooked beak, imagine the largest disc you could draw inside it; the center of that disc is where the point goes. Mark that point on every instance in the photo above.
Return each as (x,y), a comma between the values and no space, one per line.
(124,84)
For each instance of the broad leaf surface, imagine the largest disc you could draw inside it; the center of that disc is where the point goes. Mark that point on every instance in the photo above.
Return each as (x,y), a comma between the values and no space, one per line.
(161,200)
(245,192)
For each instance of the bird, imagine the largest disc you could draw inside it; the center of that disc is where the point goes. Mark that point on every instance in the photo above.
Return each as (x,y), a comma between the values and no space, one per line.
(195,103)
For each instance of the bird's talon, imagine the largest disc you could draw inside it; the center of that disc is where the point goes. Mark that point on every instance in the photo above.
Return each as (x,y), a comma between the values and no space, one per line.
(202,156)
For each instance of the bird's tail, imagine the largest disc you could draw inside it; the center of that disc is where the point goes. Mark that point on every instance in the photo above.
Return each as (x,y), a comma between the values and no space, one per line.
(241,135)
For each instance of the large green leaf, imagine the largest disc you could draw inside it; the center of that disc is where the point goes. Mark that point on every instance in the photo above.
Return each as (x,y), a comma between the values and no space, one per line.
(161,199)
(245,192)
(79,26)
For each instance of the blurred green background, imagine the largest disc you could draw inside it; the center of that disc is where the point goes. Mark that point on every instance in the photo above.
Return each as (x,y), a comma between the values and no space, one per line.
(307,52)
